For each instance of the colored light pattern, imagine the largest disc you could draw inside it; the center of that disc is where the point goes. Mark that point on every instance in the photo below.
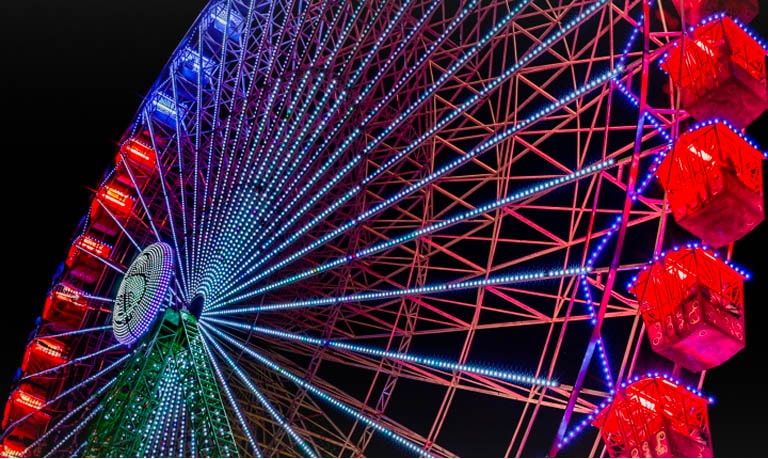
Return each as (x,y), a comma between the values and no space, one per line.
(306,448)
(397,438)
(93,246)
(83,383)
(426,290)
(494,140)
(77,332)
(142,292)
(587,421)
(232,400)
(70,413)
(116,199)
(221,243)
(716,17)
(229,232)
(432,362)
(261,125)
(73,361)
(332,158)
(171,224)
(138,414)
(544,185)
(137,152)
(73,431)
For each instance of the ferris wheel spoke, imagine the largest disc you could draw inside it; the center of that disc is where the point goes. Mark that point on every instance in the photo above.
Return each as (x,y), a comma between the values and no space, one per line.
(265,170)
(206,217)
(243,54)
(494,140)
(79,331)
(67,392)
(270,190)
(430,362)
(60,425)
(314,390)
(164,188)
(315,198)
(338,152)
(75,430)
(426,290)
(458,218)
(212,221)
(232,400)
(71,362)
(302,444)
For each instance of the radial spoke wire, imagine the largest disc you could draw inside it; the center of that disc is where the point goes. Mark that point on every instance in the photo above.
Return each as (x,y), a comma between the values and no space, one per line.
(314,390)
(431,362)
(302,444)
(233,403)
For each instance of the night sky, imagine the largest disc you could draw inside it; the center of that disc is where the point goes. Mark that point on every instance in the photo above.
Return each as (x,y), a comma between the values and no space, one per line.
(72,74)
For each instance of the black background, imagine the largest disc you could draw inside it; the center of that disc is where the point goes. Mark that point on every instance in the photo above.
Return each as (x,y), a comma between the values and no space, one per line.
(72,74)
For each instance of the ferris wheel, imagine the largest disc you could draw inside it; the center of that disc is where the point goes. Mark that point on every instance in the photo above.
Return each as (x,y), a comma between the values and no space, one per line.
(411,228)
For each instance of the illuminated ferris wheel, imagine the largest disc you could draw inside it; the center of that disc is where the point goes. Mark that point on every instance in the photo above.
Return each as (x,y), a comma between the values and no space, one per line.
(411,228)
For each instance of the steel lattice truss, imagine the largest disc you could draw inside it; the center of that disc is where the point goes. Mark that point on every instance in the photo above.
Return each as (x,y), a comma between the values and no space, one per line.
(405,217)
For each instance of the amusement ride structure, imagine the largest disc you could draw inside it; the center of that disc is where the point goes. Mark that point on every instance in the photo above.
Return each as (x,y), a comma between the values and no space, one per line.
(412,228)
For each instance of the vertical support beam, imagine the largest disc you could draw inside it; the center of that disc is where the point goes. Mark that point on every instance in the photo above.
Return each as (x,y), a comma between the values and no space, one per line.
(133,408)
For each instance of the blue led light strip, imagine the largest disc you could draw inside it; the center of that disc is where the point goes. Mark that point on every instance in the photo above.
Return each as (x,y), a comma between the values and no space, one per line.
(75,430)
(378,140)
(67,392)
(489,143)
(71,412)
(261,126)
(364,33)
(117,222)
(588,420)
(248,89)
(204,229)
(426,290)
(388,433)
(460,217)
(170,219)
(181,199)
(223,225)
(432,362)
(293,39)
(232,400)
(305,447)
(233,249)
(494,140)
(140,195)
(76,332)
(270,196)
(72,362)
(77,451)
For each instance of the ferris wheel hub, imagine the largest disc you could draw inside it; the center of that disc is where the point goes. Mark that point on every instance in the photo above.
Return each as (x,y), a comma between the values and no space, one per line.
(142,292)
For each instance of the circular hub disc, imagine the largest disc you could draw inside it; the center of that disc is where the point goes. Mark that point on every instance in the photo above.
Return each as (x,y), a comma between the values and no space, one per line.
(142,292)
